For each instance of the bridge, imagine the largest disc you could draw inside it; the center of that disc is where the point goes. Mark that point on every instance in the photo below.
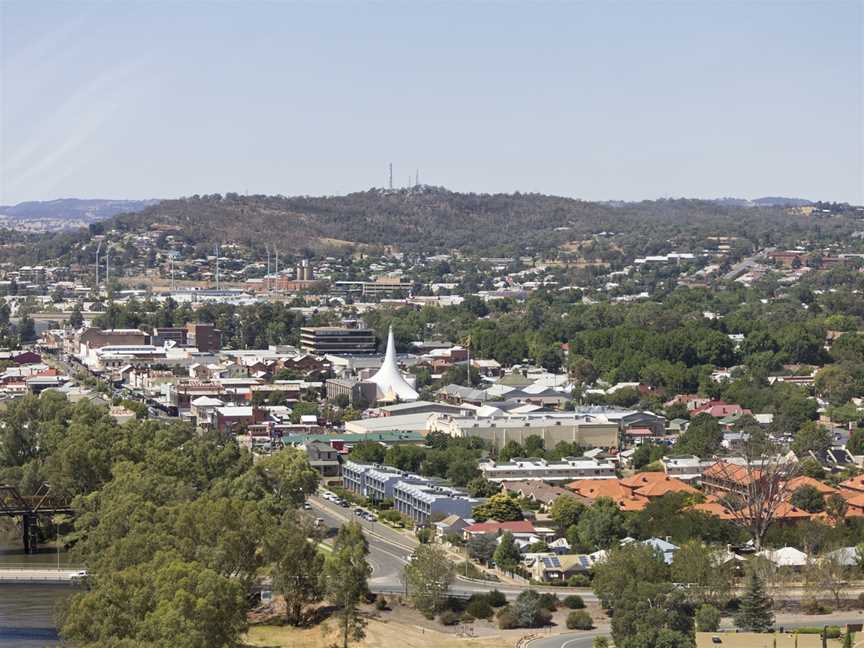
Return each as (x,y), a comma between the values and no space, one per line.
(29,507)
(40,574)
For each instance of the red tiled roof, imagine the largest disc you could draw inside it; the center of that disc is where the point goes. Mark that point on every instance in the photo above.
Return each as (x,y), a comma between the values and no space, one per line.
(855,483)
(521,526)
(800,482)
(732,472)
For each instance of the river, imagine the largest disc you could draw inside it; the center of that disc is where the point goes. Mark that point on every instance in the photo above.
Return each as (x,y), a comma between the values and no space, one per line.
(27,611)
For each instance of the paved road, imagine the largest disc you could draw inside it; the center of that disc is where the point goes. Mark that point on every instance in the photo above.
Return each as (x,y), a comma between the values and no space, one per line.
(37,575)
(389,552)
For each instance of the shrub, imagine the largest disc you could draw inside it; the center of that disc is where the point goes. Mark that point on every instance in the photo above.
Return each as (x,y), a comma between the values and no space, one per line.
(549,602)
(578,580)
(574,602)
(380,602)
(812,606)
(496,599)
(579,620)
(507,618)
(448,618)
(707,618)
(479,608)
(467,618)
(424,535)
(600,642)
(832,632)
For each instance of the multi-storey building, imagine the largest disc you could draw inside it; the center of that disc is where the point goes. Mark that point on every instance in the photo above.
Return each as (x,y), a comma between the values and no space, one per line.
(568,468)
(337,340)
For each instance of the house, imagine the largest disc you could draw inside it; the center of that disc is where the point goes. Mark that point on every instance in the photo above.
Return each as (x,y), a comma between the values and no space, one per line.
(325,459)
(684,467)
(450,525)
(555,568)
(719,409)
(540,492)
(521,529)
(652,485)
(785,557)
(663,547)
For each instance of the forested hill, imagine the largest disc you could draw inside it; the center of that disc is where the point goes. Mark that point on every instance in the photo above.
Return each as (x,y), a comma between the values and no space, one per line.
(433,219)
(430,220)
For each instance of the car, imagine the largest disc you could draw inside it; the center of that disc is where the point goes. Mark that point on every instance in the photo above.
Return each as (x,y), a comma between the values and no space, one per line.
(370,517)
(319,522)
(81,574)
(307,506)
(358,511)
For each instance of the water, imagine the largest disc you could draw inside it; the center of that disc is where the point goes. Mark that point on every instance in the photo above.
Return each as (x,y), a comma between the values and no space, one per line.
(27,611)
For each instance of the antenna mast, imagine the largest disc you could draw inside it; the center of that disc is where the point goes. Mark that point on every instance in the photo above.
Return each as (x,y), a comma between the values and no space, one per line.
(98,247)
(217,266)
(391,176)
(277,268)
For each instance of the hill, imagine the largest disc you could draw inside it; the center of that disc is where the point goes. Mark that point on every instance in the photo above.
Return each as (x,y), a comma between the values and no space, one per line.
(429,219)
(66,213)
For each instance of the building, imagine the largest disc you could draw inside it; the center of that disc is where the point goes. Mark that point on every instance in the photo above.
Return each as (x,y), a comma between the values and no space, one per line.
(586,430)
(686,468)
(419,500)
(336,340)
(356,391)
(390,384)
(567,469)
(204,337)
(325,459)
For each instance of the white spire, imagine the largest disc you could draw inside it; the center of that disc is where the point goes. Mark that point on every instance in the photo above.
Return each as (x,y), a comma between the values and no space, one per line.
(389,380)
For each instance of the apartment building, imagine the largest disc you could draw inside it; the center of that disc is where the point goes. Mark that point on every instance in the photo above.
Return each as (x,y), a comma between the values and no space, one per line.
(567,469)
(419,500)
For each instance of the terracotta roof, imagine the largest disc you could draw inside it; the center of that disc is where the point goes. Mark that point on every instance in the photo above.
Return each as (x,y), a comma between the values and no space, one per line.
(856,502)
(786,511)
(594,488)
(632,503)
(661,488)
(799,482)
(714,508)
(732,472)
(521,526)
(855,483)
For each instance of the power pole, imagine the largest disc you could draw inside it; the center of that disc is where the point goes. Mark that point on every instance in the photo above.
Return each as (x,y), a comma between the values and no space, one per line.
(217,266)
(267,284)
(107,268)
(98,248)
(277,269)
(391,176)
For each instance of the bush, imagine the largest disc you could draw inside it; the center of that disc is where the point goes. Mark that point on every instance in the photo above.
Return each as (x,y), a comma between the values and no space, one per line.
(424,535)
(467,618)
(832,632)
(578,580)
(479,608)
(707,618)
(507,618)
(574,602)
(812,606)
(579,620)
(496,599)
(600,642)
(549,602)
(448,618)
(380,602)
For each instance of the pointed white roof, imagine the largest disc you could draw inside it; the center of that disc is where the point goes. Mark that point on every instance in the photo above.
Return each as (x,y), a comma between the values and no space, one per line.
(389,380)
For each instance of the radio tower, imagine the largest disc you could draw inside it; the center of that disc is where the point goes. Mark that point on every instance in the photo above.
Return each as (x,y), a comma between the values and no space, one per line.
(417,179)
(391,176)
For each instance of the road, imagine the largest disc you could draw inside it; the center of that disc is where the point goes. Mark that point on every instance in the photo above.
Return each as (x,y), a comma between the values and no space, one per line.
(39,575)
(747,264)
(389,551)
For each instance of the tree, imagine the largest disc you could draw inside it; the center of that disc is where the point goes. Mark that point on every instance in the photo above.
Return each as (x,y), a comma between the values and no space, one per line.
(836,383)
(601,524)
(529,610)
(166,602)
(283,480)
(566,511)
(76,319)
(502,507)
(763,486)
(703,437)
(647,453)
(755,613)
(808,499)
(26,329)
(826,575)
(507,554)
(297,573)
(856,442)
(482,547)
(623,569)
(698,565)
(429,574)
(812,437)
(367,452)
(836,508)
(482,487)
(707,618)
(345,574)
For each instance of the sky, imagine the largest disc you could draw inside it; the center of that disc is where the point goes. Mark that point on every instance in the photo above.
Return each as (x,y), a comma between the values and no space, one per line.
(597,100)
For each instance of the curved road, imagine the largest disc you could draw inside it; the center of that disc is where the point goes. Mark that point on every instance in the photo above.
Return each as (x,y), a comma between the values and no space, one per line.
(389,551)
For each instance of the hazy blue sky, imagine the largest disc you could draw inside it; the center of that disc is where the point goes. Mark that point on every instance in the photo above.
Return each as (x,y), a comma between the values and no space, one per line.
(596,100)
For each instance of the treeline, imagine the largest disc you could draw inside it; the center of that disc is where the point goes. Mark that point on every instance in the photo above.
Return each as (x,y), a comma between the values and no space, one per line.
(430,220)
(173,526)
(243,327)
